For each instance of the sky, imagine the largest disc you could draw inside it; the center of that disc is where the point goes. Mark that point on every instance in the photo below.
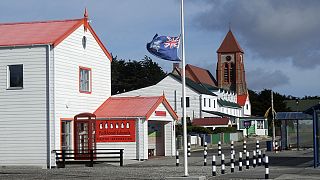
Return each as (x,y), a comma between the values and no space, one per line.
(279,38)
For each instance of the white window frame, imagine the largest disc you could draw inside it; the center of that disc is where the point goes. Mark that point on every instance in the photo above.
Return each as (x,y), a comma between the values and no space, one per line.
(8,77)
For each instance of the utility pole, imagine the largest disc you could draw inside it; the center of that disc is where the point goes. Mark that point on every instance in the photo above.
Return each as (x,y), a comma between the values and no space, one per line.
(273,126)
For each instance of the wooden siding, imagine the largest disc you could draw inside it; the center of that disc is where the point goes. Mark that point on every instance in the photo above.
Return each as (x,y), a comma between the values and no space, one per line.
(69,55)
(23,120)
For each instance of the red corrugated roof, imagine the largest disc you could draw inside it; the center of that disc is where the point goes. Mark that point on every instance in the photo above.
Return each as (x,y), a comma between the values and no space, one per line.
(200,75)
(42,32)
(229,44)
(132,107)
(241,99)
(210,121)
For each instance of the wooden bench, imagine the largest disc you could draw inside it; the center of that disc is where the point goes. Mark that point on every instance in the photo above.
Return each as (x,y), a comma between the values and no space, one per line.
(89,157)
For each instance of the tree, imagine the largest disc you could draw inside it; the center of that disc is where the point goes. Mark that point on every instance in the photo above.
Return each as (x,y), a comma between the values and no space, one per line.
(131,75)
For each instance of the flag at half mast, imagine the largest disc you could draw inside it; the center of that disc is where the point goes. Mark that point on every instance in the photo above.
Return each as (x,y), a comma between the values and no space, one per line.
(164,47)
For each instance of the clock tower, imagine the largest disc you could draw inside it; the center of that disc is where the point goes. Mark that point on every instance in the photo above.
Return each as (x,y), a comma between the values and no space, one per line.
(230,66)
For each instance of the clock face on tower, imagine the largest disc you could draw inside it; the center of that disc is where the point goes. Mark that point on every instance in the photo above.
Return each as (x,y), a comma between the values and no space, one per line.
(228,58)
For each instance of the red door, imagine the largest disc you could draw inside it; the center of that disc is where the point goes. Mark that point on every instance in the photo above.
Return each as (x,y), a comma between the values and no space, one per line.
(84,135)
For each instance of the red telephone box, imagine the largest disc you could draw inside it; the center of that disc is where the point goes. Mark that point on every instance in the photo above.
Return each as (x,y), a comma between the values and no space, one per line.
(84,135)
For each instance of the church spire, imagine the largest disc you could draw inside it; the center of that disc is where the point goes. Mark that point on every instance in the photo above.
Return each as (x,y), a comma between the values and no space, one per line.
(229,44)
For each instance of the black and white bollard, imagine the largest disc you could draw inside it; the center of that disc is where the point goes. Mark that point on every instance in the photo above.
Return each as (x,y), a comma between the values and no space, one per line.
(240,161)
(247,160)
(266,176)
(177,159)
(257,146)
(244,147)
(259,158)
(222,164)
(219,148)
(232,148)
(189,149)
(276,147)
(263,157)
(232,162)
(254,159)
(214,168)
(205,156)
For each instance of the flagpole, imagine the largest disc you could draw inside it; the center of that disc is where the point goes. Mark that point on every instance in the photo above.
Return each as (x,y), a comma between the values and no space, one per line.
(184,113)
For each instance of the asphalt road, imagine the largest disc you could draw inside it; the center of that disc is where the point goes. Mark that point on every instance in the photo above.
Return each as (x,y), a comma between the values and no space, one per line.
(284,165)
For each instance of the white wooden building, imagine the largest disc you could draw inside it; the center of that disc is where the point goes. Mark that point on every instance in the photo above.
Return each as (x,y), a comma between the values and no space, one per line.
(201,102)
(50,71)
(150,129)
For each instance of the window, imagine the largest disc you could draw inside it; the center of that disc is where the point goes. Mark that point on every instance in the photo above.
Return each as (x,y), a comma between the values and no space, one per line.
(84,80)
(214,103)
(188,102)
(204,102)
(226,72)
(15,76)
(247,107)
(209,102)
(259,124)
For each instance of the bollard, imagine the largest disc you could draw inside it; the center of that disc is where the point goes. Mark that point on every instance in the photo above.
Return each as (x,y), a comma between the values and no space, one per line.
(266,176)
(259,158)
(214,168)
(247,160)
(240,161)
(232,163)
(232,148)
(177,159)
(244,147)
(276,147)
(254,159)
(263,157)
(257,146)
(222,164)
(189,149)
(205,157)
(205,146)
(219,148)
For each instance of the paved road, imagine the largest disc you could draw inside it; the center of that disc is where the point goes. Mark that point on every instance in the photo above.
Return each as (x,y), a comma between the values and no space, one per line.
(284,165)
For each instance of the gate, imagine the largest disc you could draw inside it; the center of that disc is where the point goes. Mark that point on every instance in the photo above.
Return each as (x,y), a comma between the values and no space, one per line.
(84,135)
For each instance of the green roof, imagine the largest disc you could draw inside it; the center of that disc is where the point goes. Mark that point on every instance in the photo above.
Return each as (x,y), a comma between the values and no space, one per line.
(228,103)
(302,105)
(218,113)
(197,87)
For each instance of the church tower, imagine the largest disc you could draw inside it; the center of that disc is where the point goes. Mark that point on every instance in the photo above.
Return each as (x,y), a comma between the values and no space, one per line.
(230,66)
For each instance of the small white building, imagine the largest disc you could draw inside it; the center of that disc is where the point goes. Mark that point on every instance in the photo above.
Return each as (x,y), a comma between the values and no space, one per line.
(142,126)
(253,126)
(50,71)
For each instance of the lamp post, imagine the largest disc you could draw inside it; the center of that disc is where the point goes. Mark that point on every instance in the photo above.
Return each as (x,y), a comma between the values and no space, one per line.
(297,103)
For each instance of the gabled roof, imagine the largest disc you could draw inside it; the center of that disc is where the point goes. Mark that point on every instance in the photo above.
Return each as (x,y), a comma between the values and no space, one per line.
(241,99)
(228,103)
(210,121)
(197,87)
(229,44)
(200,75)
(132,107)
(43,32)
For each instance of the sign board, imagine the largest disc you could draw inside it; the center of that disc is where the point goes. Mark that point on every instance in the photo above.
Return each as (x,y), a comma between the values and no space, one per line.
(246,124)
(115,131)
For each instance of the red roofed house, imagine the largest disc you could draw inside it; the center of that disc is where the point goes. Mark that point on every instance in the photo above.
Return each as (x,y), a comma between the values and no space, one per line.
(212,123)
(150,122)
(50,71)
